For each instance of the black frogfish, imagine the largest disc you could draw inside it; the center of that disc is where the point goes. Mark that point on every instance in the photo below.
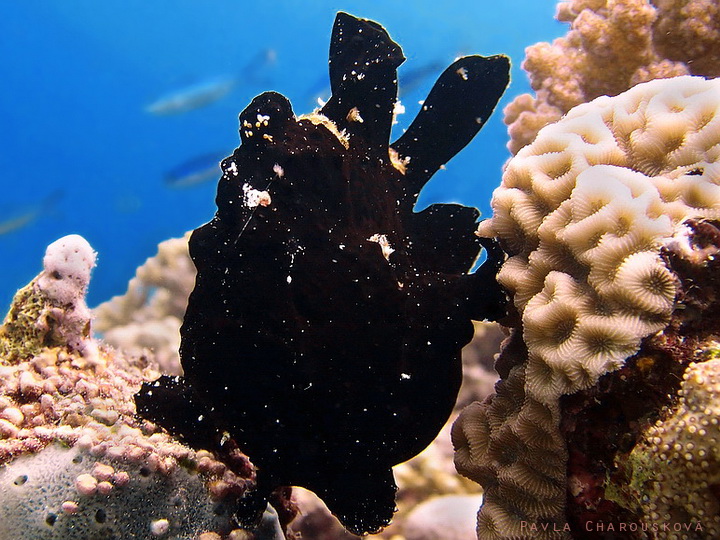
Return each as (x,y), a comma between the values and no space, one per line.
(324,332)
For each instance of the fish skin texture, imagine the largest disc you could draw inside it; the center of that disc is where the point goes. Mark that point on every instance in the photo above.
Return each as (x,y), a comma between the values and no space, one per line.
(325,329)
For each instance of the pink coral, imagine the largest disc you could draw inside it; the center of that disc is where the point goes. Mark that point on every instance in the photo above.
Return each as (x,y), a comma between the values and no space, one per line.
(60,385)
(613,45)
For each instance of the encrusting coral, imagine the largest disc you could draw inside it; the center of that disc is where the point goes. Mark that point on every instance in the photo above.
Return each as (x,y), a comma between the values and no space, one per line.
(585,213)
(683,453)
(76,461)
(613,45)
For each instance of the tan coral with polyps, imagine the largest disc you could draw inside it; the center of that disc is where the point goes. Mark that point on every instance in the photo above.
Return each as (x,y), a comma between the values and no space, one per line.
(682,451)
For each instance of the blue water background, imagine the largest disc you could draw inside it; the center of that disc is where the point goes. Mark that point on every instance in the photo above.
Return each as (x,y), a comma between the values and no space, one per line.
(79,153)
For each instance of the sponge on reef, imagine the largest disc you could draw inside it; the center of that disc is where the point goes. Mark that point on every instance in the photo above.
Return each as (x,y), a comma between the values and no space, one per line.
(67,493)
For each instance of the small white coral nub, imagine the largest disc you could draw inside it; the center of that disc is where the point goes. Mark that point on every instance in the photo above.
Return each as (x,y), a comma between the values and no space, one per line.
(67,265)
(62,284)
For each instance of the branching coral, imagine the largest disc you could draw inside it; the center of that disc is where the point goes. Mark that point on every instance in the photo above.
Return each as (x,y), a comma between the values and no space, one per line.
(584,212)
(688,31)
(75,460)
(611,46)
(149,314)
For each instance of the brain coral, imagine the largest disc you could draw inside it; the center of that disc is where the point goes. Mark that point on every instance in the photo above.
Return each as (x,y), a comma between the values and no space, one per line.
(583,213)
(611,46)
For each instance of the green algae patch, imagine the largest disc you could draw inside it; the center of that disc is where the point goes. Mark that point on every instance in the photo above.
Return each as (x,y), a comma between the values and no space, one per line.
(22,334)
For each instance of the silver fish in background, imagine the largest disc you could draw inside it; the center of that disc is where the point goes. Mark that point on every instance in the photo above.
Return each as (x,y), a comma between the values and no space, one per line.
(192,97)
(196,170)
(20,217)
(213,89)
(410,81)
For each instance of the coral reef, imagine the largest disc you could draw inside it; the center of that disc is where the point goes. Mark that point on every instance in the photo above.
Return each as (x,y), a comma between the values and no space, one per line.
(620,470)
(682,453)
(587,214)
(613,45)
(322,299)
(149,314)
(76,461)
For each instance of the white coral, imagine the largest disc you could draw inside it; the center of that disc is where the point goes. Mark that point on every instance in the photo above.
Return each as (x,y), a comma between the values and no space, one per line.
(63,283)
(594,198)
(67,265)
(584,212)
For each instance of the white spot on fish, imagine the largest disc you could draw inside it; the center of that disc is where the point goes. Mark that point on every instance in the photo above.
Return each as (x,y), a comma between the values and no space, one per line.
(381,239)
(253,197)
(353,115)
